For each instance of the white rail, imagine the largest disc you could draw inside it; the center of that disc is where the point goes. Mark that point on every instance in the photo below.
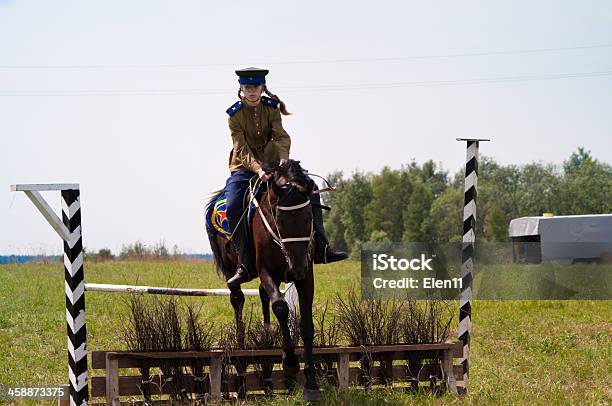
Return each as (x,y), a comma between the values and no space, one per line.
(155,290)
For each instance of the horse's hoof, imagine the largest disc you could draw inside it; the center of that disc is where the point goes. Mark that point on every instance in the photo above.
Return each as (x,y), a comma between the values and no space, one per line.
(312,395)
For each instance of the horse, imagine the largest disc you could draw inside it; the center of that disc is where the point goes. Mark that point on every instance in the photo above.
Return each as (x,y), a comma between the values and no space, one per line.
(282,236)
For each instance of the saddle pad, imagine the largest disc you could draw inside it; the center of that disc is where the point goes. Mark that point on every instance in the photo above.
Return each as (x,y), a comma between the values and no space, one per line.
(216,218)
(216,212)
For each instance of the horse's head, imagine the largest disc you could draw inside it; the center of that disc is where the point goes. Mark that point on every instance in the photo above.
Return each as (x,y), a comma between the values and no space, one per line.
(293,214)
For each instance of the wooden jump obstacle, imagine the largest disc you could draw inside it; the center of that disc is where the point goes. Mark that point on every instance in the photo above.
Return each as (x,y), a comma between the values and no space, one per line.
(426,366)
(69,229)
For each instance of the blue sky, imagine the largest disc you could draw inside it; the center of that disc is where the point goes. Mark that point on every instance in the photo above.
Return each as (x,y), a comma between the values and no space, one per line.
(147,162)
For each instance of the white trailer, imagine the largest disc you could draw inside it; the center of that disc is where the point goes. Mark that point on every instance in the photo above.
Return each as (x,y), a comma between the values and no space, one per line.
(562,239)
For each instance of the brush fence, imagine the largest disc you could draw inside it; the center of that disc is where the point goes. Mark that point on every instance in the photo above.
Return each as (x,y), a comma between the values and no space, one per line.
(432,366)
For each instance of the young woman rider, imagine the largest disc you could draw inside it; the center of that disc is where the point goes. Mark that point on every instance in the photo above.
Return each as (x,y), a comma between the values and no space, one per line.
(258,137)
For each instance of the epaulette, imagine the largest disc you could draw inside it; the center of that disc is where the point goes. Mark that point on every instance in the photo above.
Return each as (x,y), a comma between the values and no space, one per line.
(269,102)
(235,107)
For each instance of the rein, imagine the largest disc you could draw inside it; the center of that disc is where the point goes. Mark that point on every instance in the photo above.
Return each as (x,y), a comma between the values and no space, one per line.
(276,236)
(328,188)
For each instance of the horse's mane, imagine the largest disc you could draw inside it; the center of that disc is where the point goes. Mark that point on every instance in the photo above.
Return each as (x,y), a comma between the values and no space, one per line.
(290,169)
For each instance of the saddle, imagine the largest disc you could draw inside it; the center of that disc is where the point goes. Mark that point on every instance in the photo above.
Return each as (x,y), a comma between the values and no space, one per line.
(216,211)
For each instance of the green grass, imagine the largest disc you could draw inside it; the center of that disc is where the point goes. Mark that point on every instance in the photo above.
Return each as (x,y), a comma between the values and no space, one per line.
(523,352)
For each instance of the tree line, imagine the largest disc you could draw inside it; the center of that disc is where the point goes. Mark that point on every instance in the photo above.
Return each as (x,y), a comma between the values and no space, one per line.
(424,203)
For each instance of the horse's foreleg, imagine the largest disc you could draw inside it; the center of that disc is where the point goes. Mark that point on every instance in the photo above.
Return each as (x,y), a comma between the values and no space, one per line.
(267,366)
(237,300)
(265,305)
(305,289)
(281,311)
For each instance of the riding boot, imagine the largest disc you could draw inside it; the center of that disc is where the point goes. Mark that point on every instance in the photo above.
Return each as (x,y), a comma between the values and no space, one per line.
(245,271)
(324,254)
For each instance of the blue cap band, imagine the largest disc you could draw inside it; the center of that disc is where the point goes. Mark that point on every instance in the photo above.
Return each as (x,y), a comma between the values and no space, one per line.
(252,80)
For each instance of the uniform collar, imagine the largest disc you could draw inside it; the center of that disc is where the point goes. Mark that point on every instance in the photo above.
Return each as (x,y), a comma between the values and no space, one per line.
(248,106)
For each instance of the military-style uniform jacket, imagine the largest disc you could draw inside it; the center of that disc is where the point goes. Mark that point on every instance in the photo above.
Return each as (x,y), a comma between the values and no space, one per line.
(257,135)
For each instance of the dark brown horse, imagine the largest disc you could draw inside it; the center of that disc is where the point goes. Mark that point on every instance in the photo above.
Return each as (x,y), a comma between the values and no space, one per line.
(282,232)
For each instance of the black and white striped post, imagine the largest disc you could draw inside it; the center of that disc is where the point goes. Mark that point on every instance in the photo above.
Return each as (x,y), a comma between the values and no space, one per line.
(75,298)
(467,251)
(69,229)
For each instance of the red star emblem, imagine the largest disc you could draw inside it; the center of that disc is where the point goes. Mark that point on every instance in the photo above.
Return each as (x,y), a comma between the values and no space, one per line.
(221,216)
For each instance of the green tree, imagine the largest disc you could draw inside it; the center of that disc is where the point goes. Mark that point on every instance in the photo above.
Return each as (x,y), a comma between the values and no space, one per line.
(417,212)
(357,195)
(495,224)
(333,219)
(379,236)
(575,161)
(539,186)
(445,220)
(431,174)
(586,189)
(385,210)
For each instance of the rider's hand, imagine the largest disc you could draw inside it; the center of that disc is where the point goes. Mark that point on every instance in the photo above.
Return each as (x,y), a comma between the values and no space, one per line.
(282,161)
(263,175)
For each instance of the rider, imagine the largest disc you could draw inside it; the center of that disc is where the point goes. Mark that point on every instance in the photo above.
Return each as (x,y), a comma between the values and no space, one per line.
(257,137)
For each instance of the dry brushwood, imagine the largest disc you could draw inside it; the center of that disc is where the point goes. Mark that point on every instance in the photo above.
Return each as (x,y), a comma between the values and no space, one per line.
(156,326)
(165,324)
(199,337)
(426,321)
(369,322)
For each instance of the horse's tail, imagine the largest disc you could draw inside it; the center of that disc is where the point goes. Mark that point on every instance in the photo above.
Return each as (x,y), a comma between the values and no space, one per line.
(212,238)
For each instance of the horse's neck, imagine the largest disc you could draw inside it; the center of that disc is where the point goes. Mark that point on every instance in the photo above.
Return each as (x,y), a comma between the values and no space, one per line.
(268,200)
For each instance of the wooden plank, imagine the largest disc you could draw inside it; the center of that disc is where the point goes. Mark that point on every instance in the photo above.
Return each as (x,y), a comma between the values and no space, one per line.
(215,378)
(457,349)
(112,380)
(398,348)
(64,400)
(343,370)
(98,361)
(129,361)
(42,187)
(448,373)
(130,385)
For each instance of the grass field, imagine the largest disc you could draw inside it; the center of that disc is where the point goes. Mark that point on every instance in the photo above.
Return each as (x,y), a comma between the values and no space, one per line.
(523,352)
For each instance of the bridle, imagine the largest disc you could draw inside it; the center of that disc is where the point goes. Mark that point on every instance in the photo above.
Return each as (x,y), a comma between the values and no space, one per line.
(276,236)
